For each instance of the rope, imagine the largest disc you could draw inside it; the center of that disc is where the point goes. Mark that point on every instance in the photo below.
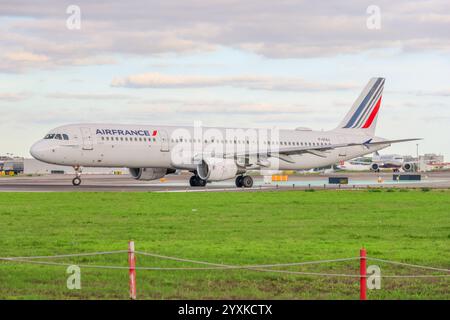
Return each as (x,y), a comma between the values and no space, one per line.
(225,268)
(217,266)
(67,255)
(179,259)
(64,264)
(349,275)
(408,264)
(246,266)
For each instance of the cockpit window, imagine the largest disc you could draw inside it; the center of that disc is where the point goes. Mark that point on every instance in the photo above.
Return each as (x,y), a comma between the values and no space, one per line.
(57,136)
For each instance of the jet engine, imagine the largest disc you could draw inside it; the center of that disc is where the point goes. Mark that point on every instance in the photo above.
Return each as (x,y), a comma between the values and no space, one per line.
(374,167)
(215,169)
(148,174)
(409,167)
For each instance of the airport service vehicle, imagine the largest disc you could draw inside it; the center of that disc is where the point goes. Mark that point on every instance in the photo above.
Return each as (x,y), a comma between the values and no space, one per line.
(212,153)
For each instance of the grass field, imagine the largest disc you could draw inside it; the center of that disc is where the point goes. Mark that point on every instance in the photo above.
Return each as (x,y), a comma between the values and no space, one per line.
(231,228)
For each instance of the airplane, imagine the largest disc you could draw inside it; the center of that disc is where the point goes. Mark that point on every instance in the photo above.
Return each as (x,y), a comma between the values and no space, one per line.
(378,162)
(392,161)
(212,153)
(386,161)
(358,164)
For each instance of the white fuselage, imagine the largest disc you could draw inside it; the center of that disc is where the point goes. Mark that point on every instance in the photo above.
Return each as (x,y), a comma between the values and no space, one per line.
(147,146)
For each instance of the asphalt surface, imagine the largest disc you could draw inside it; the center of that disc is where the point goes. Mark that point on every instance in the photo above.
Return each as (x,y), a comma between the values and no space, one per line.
(180,183)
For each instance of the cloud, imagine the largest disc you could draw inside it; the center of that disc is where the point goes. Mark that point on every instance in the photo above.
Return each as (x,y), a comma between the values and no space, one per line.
(158,80)
(281,29)
(436,93)
(208,107)
(88,96)
(25,57)
(17,61)
(14,96)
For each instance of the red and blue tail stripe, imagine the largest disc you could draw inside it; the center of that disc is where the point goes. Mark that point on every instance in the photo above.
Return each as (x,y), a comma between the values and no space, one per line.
(364,115)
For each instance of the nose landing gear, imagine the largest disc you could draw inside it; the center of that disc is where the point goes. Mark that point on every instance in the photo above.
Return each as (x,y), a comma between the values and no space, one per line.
(77,180)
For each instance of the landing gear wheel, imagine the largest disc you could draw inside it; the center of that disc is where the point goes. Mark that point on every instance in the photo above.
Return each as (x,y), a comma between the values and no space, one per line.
(195,181)
(239,181)
(247,182)
(76,181)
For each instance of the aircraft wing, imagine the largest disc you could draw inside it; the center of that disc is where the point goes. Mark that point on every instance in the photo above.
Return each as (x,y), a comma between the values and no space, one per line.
(283,153)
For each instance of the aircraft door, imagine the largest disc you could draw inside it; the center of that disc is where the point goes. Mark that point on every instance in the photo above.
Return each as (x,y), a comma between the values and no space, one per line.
(164,141)
(86,136)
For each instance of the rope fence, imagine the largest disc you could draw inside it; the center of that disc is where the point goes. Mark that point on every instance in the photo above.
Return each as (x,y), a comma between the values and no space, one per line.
(268,268)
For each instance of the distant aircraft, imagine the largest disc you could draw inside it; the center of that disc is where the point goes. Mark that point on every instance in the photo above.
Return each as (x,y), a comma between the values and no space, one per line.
(392,161)
(378,162)
(215,154)
(357,164)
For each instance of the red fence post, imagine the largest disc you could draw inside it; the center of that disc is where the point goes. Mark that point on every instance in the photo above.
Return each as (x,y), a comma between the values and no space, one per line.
(132,271)
(362,272)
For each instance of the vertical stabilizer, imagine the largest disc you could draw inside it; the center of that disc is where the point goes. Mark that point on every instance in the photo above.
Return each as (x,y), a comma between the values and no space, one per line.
(363,115)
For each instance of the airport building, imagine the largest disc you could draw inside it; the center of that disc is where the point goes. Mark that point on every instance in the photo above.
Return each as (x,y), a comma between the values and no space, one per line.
(431,158)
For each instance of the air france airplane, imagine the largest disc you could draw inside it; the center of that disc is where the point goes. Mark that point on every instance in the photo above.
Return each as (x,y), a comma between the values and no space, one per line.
(215,154)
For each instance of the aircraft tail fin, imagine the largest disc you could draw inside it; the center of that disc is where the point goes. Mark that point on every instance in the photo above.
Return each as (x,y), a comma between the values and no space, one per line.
(363,115)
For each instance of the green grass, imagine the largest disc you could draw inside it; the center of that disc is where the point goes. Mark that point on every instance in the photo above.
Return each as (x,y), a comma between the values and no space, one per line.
(232,228)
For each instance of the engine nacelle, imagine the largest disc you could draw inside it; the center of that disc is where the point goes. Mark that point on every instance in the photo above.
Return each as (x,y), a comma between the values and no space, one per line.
(148,174)
(374,167)
(215,169)
(409,167)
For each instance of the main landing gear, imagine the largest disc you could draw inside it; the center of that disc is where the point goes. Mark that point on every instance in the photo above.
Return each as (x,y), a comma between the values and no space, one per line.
(196,181)
(77,180)
(244,181)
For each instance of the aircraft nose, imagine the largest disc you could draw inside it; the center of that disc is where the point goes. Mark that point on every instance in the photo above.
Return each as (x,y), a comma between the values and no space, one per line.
(37,151)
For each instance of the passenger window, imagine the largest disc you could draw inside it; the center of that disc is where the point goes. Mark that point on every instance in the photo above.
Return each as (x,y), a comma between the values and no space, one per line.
(65,137)
(58,137)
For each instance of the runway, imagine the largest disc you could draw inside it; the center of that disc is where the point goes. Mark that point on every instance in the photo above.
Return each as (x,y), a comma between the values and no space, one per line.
(179,183)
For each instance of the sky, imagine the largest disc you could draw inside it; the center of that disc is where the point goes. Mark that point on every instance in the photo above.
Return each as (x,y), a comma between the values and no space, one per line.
(253,63)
